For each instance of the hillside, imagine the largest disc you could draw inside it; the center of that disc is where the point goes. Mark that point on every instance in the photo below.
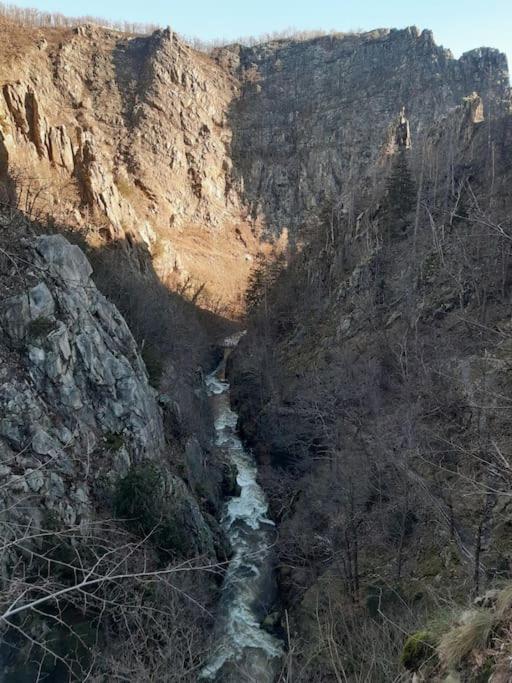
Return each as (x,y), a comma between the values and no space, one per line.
(200,158)
(374,387)
(346,199)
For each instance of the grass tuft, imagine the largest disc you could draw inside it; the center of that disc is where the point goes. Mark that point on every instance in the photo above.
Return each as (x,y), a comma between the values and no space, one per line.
(472,634)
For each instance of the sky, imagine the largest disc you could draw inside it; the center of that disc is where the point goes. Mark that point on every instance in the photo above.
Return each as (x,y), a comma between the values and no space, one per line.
(460,25)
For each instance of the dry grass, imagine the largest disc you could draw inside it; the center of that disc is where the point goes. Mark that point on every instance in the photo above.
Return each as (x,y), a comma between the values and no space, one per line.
(126,188)
(472,634)
(479,637)
(504,603)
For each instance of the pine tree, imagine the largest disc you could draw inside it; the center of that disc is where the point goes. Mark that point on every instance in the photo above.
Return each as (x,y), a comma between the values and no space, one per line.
(262,279)
(400,195)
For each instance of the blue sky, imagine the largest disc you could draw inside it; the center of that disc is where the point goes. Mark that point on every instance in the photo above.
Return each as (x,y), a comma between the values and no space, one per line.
(458,24)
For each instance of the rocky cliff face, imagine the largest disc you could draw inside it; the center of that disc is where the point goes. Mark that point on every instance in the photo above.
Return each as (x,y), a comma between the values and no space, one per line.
(317,119)
(77,411)
(129,136)
(197,160)
(143,138)
(372,385)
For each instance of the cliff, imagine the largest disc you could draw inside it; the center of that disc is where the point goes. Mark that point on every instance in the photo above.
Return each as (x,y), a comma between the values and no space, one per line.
(315,119)
(100,477)
(201,158)
(128,137)
(372,383)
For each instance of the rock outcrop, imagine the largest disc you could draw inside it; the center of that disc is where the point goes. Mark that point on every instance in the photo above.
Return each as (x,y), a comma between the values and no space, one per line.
(77,411)
(314,117)
(197,160)
(376,407)
(130,135)
(199,156)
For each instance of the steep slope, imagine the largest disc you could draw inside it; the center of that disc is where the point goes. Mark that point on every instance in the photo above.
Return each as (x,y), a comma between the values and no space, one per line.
(197,156)
(80,383)
(128,136)
(373,382)
(105,494)
(316,119)
(374,386)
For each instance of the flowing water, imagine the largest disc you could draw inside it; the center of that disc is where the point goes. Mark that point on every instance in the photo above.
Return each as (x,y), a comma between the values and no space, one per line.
(243,650)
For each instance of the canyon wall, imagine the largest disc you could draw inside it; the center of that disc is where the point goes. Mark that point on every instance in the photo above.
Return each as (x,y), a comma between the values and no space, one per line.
(372,386)
(204,157)
(193,164)
(127,138)
(317,119)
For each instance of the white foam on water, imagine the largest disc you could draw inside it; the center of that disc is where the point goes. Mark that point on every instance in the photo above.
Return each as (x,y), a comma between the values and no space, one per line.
(240,638)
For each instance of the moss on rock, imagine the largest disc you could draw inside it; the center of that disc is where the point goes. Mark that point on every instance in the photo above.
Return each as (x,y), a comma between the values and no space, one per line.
(418,648)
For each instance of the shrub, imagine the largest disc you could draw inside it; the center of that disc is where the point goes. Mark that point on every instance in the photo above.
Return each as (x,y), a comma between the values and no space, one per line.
(154,365)
(114,441)
(504,603)
(140,501)
(379,598)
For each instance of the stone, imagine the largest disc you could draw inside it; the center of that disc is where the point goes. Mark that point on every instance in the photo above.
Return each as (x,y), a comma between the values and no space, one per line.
(18,312)
(60,149)
(64,259)
(81,495)
(18,484)
(35,480)
(122,463)
(245,141)
(42,443)
(307,109)
(56,488)
(79,381)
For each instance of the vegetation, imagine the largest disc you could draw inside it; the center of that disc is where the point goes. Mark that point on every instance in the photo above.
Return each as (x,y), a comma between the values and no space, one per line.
(472,634)
(262,279)
(374,388)
(251,41)
(401,194)
(28,16)
(140,501)
(418,649)
(366,388)
(125,600)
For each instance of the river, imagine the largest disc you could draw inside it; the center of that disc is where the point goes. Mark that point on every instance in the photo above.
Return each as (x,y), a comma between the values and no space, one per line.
(243,651)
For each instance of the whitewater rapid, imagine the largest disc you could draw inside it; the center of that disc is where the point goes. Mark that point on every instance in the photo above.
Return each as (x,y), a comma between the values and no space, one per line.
(243,650)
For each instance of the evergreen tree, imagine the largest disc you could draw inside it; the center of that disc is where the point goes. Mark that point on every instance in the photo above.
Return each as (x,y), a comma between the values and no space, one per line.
(262,279)
(400,195)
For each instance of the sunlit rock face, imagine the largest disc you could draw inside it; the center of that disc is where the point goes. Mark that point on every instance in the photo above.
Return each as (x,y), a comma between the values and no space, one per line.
(127,138)
(316,117)
(200,157)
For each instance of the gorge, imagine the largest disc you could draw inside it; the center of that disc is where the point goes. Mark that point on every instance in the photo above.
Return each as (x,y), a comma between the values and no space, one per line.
(330,502)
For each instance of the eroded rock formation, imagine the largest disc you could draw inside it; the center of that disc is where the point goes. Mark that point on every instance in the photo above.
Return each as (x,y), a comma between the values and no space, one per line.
(77,411)
(313,119)
(196,155)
